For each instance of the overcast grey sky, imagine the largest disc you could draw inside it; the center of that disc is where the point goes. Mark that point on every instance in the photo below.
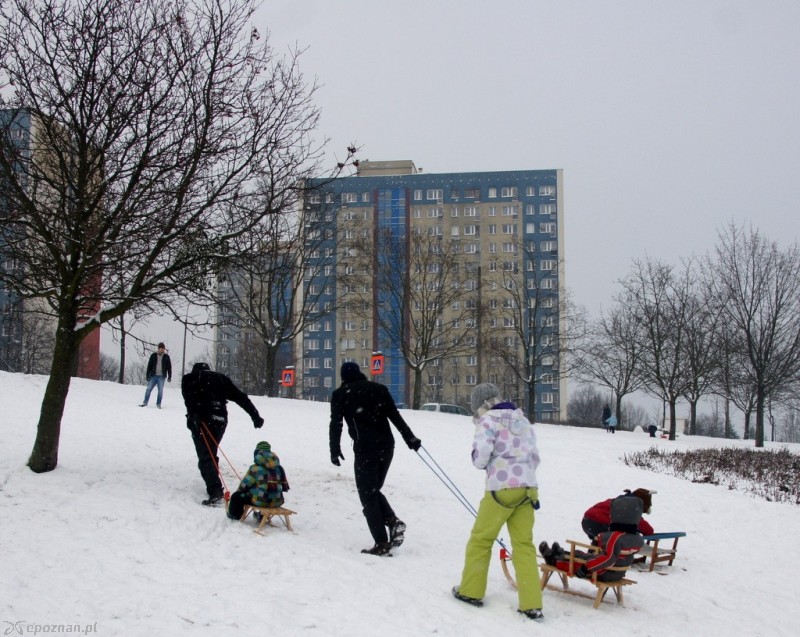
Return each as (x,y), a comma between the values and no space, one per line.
(669,119)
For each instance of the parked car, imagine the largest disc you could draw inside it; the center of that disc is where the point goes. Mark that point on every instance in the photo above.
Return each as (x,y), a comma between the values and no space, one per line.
(445,408)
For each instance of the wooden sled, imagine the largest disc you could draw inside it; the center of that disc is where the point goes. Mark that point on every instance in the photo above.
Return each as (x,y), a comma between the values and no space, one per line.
(547,572)
(657,553)
(266,516)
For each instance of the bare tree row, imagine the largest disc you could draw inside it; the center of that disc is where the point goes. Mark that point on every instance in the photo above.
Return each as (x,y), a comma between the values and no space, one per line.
(726,324)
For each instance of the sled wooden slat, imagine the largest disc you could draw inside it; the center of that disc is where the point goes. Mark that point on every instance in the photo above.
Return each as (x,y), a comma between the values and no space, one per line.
(602,587)
(656,553)
(267,514)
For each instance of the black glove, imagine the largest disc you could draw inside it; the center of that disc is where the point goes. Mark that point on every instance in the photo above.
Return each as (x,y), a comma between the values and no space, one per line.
(582,572)
(258,422)
(335,455)
(414,444)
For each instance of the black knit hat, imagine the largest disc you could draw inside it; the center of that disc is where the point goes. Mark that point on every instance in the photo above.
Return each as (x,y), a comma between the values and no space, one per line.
(351,371)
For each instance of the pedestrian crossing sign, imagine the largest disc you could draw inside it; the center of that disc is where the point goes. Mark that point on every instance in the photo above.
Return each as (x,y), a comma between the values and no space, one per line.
(377,364)
(287,378)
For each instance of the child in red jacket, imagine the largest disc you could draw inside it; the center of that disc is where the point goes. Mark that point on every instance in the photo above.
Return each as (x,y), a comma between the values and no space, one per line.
(617,546)
(597,518)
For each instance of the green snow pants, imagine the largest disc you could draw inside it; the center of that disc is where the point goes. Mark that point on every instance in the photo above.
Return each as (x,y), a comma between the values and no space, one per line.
(492,514)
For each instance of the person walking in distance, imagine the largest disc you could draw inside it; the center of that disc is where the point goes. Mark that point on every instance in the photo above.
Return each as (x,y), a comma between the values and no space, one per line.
(367,408)
(206,394)
(159,369)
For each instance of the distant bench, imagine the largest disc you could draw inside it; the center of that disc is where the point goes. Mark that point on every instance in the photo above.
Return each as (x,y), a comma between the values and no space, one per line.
(658,553)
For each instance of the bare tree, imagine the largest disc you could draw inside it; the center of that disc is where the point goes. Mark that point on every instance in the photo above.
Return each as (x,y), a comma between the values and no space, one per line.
(758,287)
(109,368)
(130,156)
(660,302)
(701,343)
(546,326)
(279,285)
(423,300)
(610,355)
(584,405)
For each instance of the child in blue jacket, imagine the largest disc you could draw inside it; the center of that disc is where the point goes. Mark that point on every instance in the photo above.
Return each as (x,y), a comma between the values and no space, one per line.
(263,484)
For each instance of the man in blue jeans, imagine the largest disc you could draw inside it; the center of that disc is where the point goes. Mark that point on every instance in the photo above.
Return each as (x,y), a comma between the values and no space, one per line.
(159,368)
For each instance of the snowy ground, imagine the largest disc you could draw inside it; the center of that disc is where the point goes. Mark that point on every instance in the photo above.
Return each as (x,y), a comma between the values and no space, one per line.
(115,538)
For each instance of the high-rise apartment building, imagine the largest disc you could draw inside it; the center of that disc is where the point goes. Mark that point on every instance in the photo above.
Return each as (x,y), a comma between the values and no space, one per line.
(454,278)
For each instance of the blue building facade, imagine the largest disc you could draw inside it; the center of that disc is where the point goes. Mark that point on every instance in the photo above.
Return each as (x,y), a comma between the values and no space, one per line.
(507,222)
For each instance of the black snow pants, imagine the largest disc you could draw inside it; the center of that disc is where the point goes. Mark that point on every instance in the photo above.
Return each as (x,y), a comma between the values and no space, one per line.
(371,468)
(207,461)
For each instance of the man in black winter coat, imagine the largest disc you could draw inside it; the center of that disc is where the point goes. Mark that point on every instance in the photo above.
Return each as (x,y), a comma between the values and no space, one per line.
(367,408)
(206,395)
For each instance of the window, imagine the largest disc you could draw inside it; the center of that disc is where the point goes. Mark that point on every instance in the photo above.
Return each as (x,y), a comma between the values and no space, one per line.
(508,191)
(434,213)
(417,195)
(492,248)
(349,197)
(312,344)
(327,382)
(471,248)
(547,209)
(471,231)
(328,344)
(530,191)
(472,361)
(509,211)
(365,197)
(435,231)
(434,194)
(312,363)
(454,211)
(547,398)
(548,246)
(492,228)
(349,326)
(454,231)
(472,193)
(417,213)
(530,209)
(471,211)
(509,228)
(470,379)
(492,193)
(547,227)
(509,247)
(530,228)
(492,211)
(546,265)
(314,199)
(547,191)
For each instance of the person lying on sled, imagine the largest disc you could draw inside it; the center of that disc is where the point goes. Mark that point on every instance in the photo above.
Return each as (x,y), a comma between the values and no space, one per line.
(617,546)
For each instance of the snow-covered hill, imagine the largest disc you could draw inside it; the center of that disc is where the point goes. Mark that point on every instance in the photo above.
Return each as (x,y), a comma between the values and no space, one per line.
(115,538)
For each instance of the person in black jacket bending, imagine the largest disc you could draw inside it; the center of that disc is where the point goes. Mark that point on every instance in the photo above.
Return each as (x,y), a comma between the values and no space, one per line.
(206,394)
(367,408)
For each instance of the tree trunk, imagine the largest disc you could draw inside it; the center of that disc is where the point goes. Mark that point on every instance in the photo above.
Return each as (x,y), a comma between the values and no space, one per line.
(415,402)
(270,375)
(672,423)
(531,401)
(618,412)
(728,424)
(44,456)
(122,334)
(760,415)
(693,417)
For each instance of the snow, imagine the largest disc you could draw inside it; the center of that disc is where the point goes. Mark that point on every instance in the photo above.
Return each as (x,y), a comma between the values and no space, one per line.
(115,539)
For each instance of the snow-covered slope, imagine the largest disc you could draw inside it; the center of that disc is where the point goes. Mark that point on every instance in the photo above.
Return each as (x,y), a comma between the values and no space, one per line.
(115,538)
